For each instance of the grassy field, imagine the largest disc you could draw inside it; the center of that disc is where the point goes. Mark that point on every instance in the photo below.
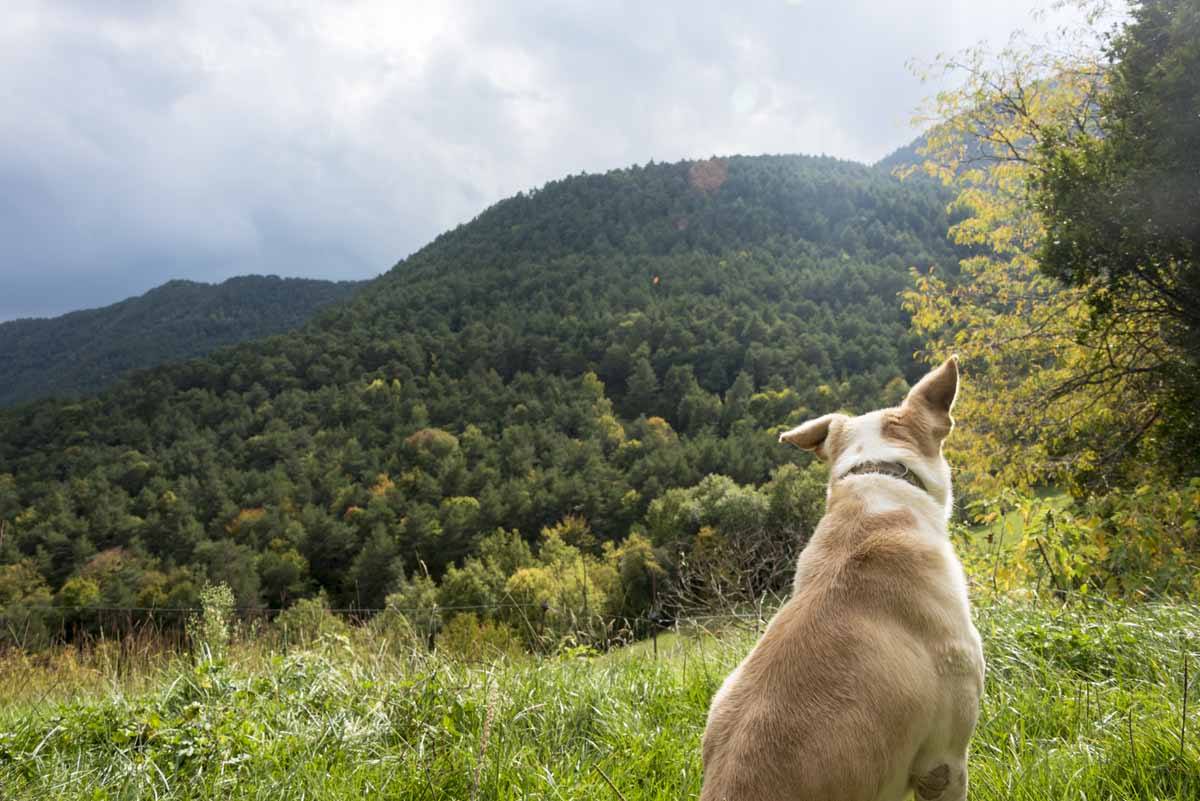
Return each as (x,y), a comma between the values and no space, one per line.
(1081,704)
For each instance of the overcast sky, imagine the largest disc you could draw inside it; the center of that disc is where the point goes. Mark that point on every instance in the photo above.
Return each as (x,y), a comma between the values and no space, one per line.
(144,140)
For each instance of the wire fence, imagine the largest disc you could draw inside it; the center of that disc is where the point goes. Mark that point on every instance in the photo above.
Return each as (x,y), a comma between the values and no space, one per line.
(60,623)
(32,627)
(539,627)
(75,651)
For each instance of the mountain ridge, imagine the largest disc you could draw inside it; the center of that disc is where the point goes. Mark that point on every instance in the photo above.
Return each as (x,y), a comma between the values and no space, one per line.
(83,351)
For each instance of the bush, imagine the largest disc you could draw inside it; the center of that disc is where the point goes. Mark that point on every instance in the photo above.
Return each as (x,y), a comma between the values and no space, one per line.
(24,607)
(393,631)
(308,621)
(417,602)
(465,636)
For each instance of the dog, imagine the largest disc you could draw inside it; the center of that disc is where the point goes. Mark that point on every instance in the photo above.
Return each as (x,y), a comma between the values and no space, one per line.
(866,684)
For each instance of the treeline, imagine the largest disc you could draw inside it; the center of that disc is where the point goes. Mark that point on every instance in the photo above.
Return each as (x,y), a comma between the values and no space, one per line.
(715,544)
(570,361)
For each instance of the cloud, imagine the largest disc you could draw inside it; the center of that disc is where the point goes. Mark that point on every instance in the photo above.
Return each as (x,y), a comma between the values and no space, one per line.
(143,141)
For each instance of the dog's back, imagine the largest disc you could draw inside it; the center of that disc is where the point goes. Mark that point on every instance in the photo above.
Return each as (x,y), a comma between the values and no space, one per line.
(866,684)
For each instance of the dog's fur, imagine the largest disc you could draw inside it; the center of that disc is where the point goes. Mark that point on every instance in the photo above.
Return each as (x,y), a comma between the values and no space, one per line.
(866,684)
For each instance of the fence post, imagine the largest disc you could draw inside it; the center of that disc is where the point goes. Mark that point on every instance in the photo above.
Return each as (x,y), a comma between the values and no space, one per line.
(653,616)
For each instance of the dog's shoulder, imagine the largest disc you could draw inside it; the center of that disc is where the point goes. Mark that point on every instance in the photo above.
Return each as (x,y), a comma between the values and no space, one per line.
(862,535)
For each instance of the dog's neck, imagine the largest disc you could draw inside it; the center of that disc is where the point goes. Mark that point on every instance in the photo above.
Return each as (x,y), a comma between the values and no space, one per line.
(891,469)
(895,474)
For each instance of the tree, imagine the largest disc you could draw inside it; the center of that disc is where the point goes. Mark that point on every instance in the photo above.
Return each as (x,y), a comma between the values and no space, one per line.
(1043,407)
(641,392)
(24,602)
(232,564)
(737,400)
(416,601)
(464,374)
(640,575)
(9,504)
(1122,210)
(376,570)
(283,573)
(1069,382)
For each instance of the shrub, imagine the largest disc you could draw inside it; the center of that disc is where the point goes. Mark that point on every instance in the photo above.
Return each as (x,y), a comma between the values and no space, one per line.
(24,606)
(393,631)
(308,621)
(417,602)
(465,636)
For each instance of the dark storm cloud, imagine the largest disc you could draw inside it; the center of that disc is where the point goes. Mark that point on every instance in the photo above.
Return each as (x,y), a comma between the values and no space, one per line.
(146,141)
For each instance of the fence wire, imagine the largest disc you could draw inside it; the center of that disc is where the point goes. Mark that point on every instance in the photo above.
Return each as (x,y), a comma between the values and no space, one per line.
(128,649)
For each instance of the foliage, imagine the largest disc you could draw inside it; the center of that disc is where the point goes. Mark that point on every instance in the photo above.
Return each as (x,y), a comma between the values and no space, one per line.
(638,574)
(465,636)
(561,597)
(415,607)
(1121,210)
(731,545)
(1070,384)
(1025,419)
(24,601)
(1122,544)
(308,621)
(85,351)
(211,628)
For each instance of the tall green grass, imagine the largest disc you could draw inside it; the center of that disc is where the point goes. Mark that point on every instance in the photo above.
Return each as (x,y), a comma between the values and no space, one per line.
(1080,704)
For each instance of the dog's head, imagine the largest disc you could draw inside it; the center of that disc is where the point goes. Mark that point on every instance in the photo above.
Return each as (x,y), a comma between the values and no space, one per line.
(910,434)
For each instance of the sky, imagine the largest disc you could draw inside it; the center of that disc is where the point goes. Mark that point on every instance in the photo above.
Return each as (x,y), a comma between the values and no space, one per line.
(148,140)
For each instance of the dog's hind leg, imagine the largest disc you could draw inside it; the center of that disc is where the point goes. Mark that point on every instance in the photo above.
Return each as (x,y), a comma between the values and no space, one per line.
(946,781)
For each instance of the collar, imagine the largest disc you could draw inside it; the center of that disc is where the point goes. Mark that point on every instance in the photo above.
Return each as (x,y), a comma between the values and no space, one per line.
(893,469)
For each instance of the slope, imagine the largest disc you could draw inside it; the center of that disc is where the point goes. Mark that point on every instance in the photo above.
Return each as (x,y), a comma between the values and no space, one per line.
(85,351)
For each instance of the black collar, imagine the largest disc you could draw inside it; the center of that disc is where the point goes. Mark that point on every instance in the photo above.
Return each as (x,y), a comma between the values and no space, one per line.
(893,469)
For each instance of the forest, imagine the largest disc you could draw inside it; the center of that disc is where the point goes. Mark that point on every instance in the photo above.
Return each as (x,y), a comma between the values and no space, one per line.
(581,367)
(85,351)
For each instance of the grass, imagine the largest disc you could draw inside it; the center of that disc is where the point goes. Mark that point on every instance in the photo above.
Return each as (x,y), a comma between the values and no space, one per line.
(1080,704)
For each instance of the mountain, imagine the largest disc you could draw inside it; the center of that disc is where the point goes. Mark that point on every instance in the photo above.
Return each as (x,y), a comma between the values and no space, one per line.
(84,351)
(567,357)
(904,156)
(907,156)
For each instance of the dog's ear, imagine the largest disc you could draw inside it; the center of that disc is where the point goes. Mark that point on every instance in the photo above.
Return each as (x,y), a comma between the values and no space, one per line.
(813,435)
(932,399)
(938,389)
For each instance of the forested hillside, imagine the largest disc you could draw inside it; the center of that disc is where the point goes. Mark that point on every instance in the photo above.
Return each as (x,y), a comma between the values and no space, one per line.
(568,370)
(85,351)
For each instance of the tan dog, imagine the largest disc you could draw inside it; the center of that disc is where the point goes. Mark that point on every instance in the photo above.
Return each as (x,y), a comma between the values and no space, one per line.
(866,684)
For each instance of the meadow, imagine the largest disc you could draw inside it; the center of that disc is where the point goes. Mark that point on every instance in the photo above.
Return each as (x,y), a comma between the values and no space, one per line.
(1083,701)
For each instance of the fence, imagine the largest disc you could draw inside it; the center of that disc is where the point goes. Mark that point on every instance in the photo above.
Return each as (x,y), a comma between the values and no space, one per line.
(128,650)
(540,627)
